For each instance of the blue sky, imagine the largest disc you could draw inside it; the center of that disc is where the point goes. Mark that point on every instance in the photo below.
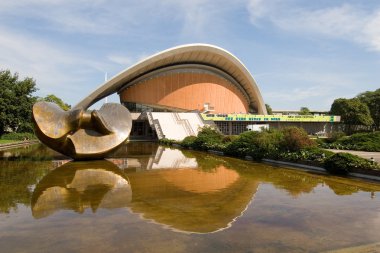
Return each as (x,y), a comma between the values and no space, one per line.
(301,53)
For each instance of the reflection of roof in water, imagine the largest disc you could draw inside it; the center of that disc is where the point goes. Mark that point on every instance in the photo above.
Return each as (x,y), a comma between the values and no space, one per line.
(80,185)
(191,201)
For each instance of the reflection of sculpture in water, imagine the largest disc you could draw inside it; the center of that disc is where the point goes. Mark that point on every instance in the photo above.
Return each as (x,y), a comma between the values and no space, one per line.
(80,185)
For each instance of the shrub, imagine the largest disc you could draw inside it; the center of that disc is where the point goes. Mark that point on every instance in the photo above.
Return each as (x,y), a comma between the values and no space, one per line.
(18,136)
(295,138)
(358,141)
(335,136)
(242,145)
(256,144)
(314,156)
(208,138)
(188,142)
(343,163)
(320,141)
(229,138)
(362,141)
(268,143)
(167,142)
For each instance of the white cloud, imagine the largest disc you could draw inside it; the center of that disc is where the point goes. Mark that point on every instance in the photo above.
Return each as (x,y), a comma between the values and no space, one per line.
(81,16)
(259,9)
(55,70)
(125,61)
(348,22)
(371,31)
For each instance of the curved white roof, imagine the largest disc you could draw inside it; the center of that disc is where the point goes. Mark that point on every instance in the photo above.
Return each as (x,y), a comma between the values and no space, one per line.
(201,54)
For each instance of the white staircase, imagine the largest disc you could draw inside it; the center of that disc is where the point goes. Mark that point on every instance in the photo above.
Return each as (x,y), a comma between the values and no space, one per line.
(175,126)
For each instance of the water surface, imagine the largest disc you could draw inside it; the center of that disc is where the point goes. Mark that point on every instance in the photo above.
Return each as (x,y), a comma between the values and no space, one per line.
(148,198)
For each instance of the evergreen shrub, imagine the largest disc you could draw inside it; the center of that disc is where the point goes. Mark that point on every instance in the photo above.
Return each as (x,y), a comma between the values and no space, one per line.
(295,139)
(343,163)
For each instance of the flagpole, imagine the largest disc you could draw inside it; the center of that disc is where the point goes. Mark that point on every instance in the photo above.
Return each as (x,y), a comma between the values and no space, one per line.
(105,80)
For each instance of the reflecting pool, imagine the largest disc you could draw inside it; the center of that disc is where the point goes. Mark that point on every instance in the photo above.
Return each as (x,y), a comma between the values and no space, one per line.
(149,198)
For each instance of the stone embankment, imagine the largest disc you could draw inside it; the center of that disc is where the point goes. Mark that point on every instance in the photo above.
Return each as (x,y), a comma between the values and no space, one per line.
(17,144)
(374,176)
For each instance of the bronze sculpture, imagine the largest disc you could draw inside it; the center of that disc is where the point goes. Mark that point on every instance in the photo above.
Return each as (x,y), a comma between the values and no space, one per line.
(82,134)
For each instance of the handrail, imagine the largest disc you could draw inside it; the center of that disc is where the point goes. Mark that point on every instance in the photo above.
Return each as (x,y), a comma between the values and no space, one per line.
(154,123)
(185,123)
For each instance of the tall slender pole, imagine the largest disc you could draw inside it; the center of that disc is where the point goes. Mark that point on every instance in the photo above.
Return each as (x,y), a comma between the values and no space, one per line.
(105,80)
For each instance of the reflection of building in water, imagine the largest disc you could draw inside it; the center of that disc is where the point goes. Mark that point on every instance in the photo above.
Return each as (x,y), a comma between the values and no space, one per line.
(167,158)
(186,198)
(154,157)
(81,185)
(190,200)
(199,181)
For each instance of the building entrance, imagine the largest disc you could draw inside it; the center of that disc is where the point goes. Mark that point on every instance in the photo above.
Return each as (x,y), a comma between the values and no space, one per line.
(141,130)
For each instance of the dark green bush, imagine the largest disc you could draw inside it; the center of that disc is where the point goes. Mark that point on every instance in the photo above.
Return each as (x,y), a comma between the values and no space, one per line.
(295,138)
(188,142)
(320,141)
(359,141)
(18,136)
(268,143)
(335,136)
(208,138)
(168,142)
(242,145)
(343,163)
(313,156)
(362,141)
(256,144)
(229,138)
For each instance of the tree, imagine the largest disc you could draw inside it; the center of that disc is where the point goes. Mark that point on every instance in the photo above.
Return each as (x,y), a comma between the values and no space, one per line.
(54,99)
(16,101)
(353,112)
(305,111)
(372,100)
(269,109)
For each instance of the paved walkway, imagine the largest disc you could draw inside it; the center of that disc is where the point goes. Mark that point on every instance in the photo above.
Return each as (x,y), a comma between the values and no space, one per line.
(367,155)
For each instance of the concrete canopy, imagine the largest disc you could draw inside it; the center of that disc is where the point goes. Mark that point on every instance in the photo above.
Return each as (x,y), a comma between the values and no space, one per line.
(199,54)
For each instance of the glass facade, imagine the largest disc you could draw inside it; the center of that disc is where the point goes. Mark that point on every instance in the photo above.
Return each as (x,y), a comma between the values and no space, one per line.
(232,127)
(135,107)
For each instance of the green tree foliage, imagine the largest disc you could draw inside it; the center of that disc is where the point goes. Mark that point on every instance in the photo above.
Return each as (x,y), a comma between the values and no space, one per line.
(54,99)
(372,100)
(353,112)
(269,109)
(304,111)
(16,101)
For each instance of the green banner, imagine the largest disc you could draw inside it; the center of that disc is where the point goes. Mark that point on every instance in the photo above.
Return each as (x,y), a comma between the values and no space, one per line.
(270,118)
